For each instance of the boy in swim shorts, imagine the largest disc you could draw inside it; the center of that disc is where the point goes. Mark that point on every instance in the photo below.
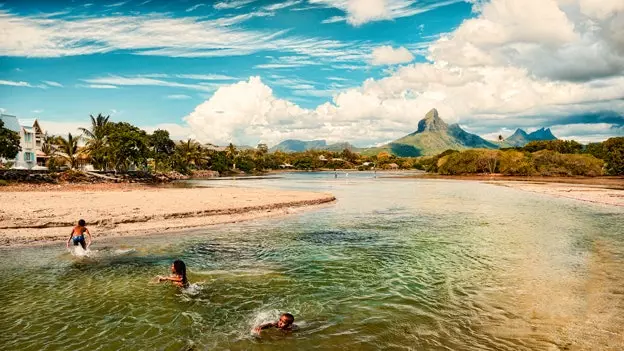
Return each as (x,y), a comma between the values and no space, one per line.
(77,235)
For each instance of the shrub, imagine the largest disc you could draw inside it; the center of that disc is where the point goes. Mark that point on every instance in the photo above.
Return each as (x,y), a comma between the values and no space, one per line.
(469,161)
(550,163)
(516,163)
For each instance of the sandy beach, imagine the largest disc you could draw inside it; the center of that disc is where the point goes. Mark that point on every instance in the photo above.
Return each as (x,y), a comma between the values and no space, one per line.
(41,214)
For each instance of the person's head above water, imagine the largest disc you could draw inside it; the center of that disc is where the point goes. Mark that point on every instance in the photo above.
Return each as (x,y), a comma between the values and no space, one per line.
(286,320)
(178,267)
(82,223)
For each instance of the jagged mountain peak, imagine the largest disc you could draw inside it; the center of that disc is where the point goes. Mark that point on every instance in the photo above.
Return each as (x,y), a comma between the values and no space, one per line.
(432,122)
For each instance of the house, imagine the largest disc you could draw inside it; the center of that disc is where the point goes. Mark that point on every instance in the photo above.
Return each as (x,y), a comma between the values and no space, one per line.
(31,140)
(393,166)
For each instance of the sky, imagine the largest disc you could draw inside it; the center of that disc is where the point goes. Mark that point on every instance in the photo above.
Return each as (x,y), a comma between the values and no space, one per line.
(361,71)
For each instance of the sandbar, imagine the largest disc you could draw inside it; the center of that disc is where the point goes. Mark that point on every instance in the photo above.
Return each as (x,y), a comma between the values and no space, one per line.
(43,214)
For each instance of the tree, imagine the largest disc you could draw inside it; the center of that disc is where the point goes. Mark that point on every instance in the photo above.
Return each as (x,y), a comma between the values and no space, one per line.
(231,154)
(97,140)
(68,150)
(9,142)
(127,146)
(614,155)
(192,154)
(162,147)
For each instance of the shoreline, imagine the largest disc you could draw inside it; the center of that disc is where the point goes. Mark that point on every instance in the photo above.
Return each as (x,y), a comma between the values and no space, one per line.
(115,211)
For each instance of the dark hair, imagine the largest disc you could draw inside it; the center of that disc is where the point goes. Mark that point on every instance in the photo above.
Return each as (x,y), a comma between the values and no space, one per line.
(82,222)
(180,269)
(291,318)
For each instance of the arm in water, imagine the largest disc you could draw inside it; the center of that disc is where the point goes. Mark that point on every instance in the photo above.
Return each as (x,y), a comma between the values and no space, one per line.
(261,327)
(70,237)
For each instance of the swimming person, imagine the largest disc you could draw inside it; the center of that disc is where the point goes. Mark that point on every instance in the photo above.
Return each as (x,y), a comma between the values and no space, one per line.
(77,235)
(178,274)
(285,323)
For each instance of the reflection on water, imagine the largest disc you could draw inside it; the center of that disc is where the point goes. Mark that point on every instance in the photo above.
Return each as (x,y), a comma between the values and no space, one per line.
(394,264)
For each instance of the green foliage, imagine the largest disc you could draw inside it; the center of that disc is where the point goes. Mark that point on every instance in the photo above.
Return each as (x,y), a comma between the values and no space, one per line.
(162,148)
(68,151)
(3,182)
(614,155)
(514,162)
(9,142)
(560,146)
(551,163)
(127,146)
(596,149)
(469,161)
(97,140)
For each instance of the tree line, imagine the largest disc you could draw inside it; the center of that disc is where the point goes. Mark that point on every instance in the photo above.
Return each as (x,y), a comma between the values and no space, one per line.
(120,146)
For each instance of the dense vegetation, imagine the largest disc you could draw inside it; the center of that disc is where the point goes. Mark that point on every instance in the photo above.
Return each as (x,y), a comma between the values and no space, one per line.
(120,146)
(546,158)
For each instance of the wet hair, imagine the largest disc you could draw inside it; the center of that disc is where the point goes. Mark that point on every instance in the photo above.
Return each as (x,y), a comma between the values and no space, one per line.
(180,269)
(82,223)
(291,318)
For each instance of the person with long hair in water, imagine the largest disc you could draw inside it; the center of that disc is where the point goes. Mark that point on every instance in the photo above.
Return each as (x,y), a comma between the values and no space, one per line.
(178,274)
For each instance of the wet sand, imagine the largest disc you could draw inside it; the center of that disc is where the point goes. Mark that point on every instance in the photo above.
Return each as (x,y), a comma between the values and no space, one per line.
(47,213)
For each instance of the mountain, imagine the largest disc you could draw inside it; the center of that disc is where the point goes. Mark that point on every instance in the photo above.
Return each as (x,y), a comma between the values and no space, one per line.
(520,138)
(292,145)
(432,137)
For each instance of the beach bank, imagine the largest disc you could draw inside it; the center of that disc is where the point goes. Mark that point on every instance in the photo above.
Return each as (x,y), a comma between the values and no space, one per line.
(47,213)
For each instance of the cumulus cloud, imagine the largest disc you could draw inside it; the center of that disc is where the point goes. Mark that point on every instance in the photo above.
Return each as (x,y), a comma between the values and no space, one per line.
(387,55)
(514,64)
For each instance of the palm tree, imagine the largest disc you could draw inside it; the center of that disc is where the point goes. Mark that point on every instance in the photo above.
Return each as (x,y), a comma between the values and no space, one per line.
(97,140)
(68,150)
(192,153)
(231,154)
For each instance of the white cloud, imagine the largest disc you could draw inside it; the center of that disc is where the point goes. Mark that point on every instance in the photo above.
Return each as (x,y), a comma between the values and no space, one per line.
(157,35)
(98,86)
(233,4)
(282,5)
(387,55)
(37,111)
(363,11)
(194,7)
(144,81)
(334,19)
(178,97)
(53,84)
(15,84)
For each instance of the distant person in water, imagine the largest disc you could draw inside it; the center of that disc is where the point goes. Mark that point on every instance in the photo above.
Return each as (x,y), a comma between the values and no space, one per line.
(285,323)
(178,274)
(77,235)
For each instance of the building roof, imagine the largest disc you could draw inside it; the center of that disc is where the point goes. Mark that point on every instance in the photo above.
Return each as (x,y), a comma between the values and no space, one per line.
(10,122)
(27,122)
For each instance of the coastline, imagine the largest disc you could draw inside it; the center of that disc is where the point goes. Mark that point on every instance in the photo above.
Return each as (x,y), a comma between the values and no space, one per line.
(46,214)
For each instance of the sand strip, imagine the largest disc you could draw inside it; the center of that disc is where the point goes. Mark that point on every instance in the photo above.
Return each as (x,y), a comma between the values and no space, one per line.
(599,194)
(27,216)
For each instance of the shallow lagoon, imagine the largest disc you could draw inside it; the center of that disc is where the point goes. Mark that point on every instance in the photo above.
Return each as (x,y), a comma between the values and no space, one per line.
(393,264)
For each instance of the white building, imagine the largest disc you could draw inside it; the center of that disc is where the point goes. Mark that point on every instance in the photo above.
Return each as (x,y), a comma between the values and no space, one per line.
(31,140)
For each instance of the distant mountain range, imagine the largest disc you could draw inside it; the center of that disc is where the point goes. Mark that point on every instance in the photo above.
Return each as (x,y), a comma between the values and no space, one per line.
(300,145)
(520,138)
(432,137)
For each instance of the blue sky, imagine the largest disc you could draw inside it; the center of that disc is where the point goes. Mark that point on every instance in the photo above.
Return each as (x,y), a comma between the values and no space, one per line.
(363,71)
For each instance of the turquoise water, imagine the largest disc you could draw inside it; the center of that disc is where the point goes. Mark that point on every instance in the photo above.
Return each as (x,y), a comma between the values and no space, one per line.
(400,264)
